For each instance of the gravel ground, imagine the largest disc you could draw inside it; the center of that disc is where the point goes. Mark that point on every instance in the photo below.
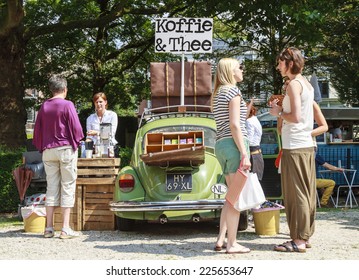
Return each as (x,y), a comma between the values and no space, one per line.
(336,238)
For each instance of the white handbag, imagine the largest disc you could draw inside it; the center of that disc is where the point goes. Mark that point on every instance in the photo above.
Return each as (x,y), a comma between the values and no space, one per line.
(252,194)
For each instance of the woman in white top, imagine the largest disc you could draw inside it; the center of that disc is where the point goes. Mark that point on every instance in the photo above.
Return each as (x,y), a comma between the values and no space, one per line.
(254,130)
(298,158)
(102,115)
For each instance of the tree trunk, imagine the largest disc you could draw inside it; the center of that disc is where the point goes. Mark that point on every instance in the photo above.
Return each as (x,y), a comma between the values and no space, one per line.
(12,114)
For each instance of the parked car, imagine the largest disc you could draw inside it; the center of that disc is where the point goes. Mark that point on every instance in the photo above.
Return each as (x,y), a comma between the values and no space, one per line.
(174,175)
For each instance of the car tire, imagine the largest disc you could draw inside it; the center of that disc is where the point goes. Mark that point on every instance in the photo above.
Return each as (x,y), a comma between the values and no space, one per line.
(243,221)
(123,224)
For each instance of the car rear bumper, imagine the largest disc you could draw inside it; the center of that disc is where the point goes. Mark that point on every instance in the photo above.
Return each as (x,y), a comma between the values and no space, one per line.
(132,206)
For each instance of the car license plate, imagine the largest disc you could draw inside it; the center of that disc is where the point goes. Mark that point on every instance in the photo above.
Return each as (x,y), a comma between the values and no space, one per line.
(176,182)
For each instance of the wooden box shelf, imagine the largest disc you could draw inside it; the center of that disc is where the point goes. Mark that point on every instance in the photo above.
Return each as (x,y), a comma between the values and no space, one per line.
(169,148)
(167,141)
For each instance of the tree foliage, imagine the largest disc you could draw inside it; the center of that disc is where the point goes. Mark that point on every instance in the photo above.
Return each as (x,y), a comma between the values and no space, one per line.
(261,29)
(341,50)
(99,46)
(107,45)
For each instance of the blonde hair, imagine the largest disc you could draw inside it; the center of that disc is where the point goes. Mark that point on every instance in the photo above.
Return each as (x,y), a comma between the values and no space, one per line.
(225,74)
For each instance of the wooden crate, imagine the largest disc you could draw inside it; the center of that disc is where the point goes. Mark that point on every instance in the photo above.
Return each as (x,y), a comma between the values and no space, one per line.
(96,214)
(76,213)
(97,178)
(97,171)
(94,190)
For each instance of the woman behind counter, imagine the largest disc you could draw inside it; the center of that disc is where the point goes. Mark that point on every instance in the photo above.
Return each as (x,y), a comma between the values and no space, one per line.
(102,115)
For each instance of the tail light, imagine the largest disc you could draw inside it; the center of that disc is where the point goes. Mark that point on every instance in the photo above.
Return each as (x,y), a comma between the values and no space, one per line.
(126,182)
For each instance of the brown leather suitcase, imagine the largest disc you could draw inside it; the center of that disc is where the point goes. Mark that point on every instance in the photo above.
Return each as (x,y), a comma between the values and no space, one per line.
(166,84)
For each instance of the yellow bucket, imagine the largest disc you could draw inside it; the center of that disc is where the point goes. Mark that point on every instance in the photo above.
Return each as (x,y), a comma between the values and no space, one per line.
(266,222)
(35,223)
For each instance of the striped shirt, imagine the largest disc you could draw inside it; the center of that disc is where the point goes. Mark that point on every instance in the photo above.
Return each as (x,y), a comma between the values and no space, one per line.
(221,111)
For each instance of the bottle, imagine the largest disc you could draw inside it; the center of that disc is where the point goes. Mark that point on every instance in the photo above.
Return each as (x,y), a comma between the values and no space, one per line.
(94,155)
(82,152)
(98,148)
(110,150)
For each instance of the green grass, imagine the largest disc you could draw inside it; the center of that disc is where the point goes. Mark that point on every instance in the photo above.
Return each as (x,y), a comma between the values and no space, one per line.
(339,209)
(9,220)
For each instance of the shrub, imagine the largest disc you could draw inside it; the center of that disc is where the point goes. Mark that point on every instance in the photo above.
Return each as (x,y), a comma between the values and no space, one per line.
(125,155)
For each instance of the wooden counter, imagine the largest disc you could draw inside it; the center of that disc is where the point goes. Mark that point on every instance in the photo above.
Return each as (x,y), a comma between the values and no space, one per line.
(94,190)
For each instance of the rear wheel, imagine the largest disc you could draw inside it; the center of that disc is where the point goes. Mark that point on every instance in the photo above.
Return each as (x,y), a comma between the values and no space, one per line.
(243,221)
(123,224)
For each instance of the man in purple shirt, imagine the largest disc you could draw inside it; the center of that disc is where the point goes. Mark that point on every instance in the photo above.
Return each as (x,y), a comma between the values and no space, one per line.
(57,135)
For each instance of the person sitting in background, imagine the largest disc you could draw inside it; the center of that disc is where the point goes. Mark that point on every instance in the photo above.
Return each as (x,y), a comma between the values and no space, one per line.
(326,184)
(337,130)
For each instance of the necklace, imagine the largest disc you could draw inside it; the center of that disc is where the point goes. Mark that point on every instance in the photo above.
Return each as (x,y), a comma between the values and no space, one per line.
(100,118)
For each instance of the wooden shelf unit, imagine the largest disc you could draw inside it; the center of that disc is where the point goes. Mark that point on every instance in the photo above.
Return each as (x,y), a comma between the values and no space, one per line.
(169,141)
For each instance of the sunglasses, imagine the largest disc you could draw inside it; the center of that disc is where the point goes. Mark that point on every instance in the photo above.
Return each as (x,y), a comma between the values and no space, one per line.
(241,67)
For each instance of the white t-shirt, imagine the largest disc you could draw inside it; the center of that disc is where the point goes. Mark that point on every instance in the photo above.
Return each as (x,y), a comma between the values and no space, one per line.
(254,129)
(93,123)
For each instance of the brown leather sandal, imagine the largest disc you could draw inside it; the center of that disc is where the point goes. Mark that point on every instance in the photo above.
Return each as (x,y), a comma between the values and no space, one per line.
(289,247)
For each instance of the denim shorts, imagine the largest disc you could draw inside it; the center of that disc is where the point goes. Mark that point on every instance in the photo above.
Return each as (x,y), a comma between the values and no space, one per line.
(228,154)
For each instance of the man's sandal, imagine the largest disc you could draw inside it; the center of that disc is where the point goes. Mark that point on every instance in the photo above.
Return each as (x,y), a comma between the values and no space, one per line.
(67,233)
(289,247)
(49,232)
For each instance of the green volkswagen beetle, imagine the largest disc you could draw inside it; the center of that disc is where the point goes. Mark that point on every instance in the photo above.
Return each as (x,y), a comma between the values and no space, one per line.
(174,175)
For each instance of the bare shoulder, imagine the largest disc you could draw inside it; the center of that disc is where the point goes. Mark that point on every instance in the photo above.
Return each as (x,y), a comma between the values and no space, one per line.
(294,87)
